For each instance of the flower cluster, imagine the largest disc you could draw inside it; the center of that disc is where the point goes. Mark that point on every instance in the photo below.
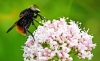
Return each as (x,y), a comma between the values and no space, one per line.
(58,41)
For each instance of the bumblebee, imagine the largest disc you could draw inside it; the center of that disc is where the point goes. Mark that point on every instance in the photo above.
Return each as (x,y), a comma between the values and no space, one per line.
(27,17)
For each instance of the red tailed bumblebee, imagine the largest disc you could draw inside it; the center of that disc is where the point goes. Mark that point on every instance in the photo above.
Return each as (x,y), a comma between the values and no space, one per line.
(27,17)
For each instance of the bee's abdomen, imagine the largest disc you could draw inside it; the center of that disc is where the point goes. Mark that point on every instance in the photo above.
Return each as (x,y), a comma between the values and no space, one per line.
(20,30)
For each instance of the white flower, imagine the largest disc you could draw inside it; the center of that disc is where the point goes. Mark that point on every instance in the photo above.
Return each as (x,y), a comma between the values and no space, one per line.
(57,40)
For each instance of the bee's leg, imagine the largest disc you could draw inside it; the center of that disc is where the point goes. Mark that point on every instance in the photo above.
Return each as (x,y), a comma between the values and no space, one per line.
(30,33)
(26,35)
(42,17)
(34,25)
(38,22)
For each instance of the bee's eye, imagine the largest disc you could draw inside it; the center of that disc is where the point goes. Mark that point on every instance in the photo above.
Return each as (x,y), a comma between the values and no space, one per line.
(34,8)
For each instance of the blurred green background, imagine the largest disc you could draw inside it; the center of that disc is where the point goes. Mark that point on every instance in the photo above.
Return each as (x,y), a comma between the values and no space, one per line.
(85,11)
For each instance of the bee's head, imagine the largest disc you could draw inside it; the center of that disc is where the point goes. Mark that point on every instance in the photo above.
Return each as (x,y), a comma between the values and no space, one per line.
(35,8)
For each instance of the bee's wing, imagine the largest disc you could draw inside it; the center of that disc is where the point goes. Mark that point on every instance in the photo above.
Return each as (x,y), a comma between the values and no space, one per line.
(15,23)
(12,27)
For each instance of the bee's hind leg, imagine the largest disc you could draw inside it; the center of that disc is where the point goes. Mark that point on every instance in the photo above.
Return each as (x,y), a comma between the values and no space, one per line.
(29,33)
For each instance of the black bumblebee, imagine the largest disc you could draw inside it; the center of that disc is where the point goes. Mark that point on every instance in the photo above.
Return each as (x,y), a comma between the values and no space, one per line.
(27,17)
